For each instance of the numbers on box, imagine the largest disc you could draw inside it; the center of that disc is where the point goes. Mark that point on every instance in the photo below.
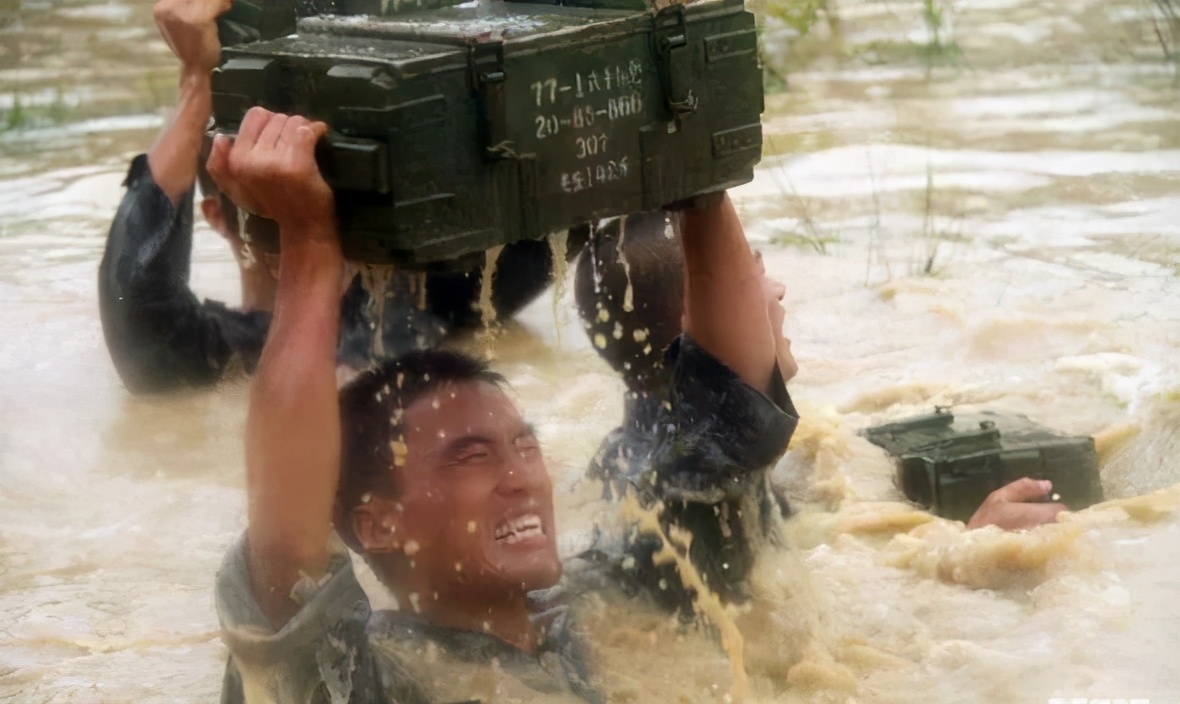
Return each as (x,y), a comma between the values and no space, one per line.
(590,146)
(545,89)
(547,126)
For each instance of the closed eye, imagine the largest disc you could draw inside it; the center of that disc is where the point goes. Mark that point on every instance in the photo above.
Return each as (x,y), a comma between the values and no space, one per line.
(527,445)
(474,456)
(471,450)
(526,441)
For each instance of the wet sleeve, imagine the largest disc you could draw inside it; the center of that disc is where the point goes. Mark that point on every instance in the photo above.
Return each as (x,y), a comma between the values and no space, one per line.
(715,433)
(159,335)
(708,475)
(321,655)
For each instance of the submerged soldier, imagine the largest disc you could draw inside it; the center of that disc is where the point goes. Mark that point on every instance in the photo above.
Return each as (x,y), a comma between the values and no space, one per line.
(630,296)
(162,337)
(425,467)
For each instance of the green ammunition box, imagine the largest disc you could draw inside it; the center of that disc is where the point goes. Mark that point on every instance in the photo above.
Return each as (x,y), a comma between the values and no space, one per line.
(458,127)
(950,465)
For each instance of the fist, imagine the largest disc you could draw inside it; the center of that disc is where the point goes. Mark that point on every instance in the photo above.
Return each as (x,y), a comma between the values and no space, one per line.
(1017,506)
(270,168)
(190,29)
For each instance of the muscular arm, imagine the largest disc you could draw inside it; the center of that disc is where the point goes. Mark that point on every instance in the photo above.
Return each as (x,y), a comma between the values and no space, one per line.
(293,424)
(173,157)
(160,336)
(725,307)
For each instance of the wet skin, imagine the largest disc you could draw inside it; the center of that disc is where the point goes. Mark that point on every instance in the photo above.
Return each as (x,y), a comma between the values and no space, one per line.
(473,510)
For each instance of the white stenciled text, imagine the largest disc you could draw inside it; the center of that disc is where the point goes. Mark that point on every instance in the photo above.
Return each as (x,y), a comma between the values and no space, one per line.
(594,175)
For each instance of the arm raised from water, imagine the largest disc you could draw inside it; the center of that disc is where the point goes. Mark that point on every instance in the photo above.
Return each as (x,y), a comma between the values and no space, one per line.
(190,29)
(293,424)
(725,305)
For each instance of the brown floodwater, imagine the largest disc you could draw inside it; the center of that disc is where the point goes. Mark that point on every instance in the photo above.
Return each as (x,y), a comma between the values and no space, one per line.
(993,226)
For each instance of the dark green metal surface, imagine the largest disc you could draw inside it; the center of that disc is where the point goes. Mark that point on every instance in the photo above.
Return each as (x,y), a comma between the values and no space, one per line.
(950,464)
(459,127)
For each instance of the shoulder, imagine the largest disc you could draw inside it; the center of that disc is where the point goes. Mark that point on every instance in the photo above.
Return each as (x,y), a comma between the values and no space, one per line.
(335,599)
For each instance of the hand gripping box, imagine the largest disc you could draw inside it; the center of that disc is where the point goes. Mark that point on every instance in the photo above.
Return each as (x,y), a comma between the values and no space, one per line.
(949,464)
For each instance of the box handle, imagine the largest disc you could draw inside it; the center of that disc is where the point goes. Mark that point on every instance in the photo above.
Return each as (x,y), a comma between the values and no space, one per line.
(347,163)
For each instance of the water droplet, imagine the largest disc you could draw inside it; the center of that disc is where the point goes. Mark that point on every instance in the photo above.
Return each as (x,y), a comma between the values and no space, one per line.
(399,452)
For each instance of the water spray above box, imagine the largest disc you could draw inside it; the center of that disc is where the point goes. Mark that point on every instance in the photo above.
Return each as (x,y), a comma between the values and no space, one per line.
(458,127)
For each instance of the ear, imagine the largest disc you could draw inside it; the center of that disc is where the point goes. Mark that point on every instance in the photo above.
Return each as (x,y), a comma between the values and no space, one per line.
(377,526)
(214,215)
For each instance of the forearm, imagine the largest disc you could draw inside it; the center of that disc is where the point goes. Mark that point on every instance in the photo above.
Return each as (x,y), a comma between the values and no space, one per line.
(173,157)
(725,306)
(293,433)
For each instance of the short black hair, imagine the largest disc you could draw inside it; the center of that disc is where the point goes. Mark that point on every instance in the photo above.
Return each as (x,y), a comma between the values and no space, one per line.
(371,416)
(629,287)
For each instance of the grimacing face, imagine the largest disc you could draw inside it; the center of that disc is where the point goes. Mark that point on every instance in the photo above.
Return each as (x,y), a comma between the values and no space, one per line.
(474,508)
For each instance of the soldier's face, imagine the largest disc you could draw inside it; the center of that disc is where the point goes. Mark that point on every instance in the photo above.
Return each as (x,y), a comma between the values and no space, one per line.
(476,501)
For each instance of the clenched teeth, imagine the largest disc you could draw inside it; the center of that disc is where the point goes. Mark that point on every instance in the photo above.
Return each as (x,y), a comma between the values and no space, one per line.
(518,529)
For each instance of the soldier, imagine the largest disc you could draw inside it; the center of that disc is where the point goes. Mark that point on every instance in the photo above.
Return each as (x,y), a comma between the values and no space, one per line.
(630,298)
(161,336)
(426,468)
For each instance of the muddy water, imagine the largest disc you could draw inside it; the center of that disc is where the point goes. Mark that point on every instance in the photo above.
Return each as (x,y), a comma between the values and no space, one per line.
(998,228)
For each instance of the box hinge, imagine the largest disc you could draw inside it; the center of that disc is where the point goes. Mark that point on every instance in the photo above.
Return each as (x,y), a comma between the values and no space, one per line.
(485,62)
(674,60)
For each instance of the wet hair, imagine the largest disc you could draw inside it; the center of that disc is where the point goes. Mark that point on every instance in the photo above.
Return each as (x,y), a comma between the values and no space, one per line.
(371,419)
(634,256)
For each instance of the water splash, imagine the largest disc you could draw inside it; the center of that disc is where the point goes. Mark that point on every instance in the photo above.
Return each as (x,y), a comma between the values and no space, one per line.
(559,248)
(243,217)
(377,280)
(628,293)
(675,545)
(487,309)
(594,268)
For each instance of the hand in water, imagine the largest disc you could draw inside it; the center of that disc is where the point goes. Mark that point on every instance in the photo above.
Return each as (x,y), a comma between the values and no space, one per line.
(190,29)
(1016,506)
(270,170)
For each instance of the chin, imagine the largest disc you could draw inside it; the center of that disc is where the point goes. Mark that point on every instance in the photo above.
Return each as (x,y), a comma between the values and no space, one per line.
(538,571)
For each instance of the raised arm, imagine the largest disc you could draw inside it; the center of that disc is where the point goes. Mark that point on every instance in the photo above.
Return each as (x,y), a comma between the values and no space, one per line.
(190,28)
(159,334)
(725,302)
(293,424)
